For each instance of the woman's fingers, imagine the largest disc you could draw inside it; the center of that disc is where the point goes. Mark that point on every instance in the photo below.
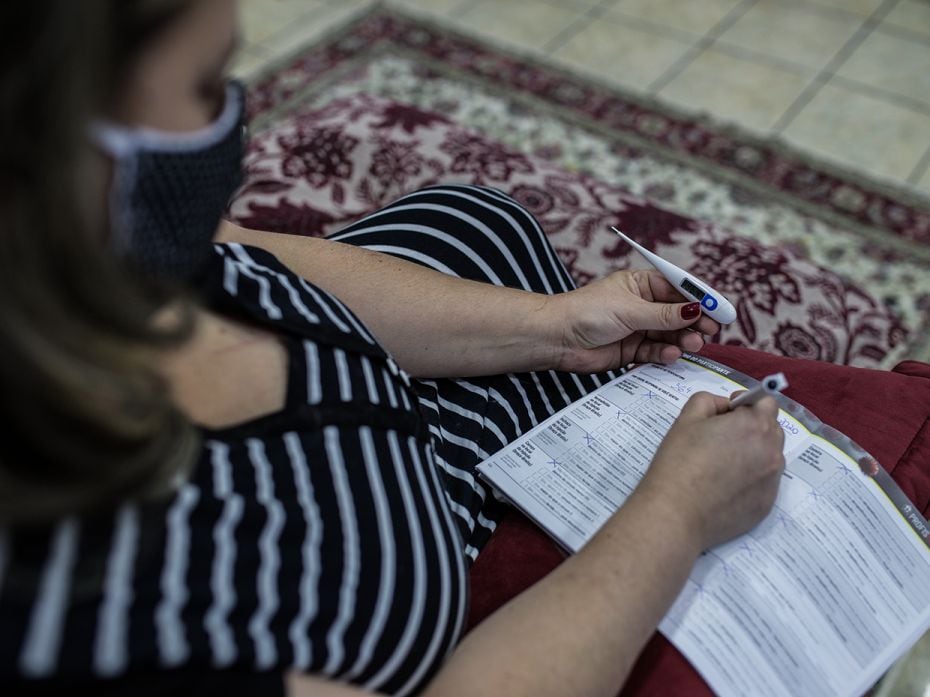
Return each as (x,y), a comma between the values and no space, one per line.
(653,286)
(706,325)
(684,339)
(690,341)
(655,352)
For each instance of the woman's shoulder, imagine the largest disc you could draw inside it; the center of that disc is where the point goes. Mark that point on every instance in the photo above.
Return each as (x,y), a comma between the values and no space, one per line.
(263,330)
(247,281)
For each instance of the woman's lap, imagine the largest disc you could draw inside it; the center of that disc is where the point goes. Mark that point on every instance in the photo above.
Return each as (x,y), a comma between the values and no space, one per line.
(483,235)
(473,418)
(468,231)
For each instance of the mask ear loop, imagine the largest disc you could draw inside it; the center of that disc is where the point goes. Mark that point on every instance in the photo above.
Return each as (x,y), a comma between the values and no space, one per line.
(124,173)
(119,147)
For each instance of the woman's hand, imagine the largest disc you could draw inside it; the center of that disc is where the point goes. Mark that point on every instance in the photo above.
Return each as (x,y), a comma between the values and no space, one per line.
(627,317)
(718,470)
(437,325)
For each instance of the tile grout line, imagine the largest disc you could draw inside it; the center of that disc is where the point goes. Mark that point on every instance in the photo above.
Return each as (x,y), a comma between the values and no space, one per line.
(723,46)
(563,35)
(826,10)
(297,22)
(921,168)
(634,22)
(724,23)
(567,33)
(822,77)
(904,33)
(879,93)
(762,58)
(730,49)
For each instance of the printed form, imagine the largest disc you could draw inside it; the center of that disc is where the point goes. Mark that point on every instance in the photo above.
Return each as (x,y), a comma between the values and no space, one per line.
(819,599)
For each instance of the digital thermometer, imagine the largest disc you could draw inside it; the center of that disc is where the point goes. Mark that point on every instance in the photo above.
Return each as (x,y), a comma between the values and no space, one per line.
(713,303)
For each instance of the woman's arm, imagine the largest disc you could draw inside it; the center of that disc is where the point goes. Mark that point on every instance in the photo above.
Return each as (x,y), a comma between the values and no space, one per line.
(437,325)
(579,630)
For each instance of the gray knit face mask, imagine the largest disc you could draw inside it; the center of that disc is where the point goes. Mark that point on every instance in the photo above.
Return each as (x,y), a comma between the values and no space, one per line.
(170,190)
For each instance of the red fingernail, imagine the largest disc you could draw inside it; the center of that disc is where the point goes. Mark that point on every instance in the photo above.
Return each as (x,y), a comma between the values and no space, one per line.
(691,310)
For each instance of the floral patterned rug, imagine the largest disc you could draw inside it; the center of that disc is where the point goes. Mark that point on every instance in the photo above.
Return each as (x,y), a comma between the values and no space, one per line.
(823,264)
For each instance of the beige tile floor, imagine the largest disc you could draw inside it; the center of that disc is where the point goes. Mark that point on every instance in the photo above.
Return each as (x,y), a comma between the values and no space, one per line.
(845,80)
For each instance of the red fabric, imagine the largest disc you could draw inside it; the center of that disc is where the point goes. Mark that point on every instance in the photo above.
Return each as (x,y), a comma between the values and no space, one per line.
(888,413)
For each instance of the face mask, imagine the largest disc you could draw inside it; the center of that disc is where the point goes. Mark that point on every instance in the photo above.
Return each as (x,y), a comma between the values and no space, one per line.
(170,189)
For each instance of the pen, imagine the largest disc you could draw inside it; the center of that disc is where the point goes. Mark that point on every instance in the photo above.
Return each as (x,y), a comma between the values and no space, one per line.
(771,384)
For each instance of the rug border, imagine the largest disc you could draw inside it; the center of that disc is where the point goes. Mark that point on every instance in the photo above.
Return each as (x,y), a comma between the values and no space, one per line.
(813,209)
(821,210)
(327,43)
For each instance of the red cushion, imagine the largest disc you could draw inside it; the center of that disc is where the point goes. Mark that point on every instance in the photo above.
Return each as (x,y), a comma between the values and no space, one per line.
(888,413)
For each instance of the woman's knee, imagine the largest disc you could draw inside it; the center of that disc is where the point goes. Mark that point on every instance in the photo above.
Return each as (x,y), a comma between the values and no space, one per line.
(514,218)
(471,231)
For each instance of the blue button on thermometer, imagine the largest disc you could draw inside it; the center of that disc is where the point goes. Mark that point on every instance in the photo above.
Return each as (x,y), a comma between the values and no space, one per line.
(712,302)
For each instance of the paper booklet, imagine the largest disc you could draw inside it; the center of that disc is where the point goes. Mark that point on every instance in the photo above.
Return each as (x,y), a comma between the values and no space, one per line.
(819,599)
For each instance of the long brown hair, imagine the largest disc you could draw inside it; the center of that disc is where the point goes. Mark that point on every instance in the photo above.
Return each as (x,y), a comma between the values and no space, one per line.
(85,421)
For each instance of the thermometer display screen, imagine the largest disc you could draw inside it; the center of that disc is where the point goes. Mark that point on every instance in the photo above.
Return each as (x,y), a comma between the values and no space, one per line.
(692,289)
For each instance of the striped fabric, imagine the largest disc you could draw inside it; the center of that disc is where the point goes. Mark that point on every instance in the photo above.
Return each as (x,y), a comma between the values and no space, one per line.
(484,235)
(333,536)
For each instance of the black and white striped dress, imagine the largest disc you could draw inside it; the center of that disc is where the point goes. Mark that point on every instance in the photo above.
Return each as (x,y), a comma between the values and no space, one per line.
(332,537)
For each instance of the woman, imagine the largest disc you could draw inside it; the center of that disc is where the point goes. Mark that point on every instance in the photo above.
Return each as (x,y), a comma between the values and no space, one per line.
(224,478)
